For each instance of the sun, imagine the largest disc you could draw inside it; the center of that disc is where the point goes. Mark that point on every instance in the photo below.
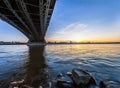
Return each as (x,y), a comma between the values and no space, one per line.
(77,39)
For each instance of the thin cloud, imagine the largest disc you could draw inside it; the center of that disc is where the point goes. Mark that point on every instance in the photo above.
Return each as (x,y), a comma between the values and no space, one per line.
(71,28)
(69,31)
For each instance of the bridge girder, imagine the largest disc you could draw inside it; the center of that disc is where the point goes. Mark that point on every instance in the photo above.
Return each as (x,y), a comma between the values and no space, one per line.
(31,17)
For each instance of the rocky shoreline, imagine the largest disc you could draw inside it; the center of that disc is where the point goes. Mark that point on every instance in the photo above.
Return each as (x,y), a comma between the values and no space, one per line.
(77,78)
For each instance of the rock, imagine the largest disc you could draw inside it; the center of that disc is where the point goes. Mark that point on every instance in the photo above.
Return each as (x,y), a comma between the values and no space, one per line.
(19,84)
(40,87)
(82,78)
(50,85)
(16,87)
(59,75)
(14,83)
(109,84)
(64,85)
(26,86)
(102,84)
(69,73)
(63,82)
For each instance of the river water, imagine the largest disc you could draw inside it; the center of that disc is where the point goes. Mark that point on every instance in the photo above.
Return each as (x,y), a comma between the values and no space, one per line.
(39,64)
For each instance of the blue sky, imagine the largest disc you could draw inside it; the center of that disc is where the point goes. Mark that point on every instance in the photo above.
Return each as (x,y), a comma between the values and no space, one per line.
(77,20)
(9,33)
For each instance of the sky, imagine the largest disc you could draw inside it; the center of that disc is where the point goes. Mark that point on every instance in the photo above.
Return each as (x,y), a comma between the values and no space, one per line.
(77,20)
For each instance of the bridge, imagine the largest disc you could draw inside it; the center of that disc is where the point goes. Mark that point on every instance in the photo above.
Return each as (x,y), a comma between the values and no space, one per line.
(31,17)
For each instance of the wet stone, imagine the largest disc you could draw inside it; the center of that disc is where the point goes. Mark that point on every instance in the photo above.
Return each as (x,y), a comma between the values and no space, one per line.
(63,82)
(109,84)
(82,78)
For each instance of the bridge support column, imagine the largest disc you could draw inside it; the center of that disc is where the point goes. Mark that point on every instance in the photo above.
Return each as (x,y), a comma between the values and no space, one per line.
(36,43)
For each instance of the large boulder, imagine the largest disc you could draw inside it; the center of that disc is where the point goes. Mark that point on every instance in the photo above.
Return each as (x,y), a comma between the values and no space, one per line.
(82,78)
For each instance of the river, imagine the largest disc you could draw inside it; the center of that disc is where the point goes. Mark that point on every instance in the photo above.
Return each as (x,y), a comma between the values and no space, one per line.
(40,64)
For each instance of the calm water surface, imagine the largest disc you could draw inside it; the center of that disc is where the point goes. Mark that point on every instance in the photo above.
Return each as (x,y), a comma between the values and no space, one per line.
(38,65)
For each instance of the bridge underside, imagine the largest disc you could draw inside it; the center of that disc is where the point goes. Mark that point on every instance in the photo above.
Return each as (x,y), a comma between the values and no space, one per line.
(31,17)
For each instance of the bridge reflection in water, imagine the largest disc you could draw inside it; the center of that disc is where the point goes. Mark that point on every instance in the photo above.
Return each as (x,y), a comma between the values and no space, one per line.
(23,62)
(36,67)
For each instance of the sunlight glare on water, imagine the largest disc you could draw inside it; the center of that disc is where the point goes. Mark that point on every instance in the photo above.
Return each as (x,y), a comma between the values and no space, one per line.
(101,60)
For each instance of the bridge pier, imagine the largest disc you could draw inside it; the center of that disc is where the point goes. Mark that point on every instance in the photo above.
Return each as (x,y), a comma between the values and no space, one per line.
(36,43)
